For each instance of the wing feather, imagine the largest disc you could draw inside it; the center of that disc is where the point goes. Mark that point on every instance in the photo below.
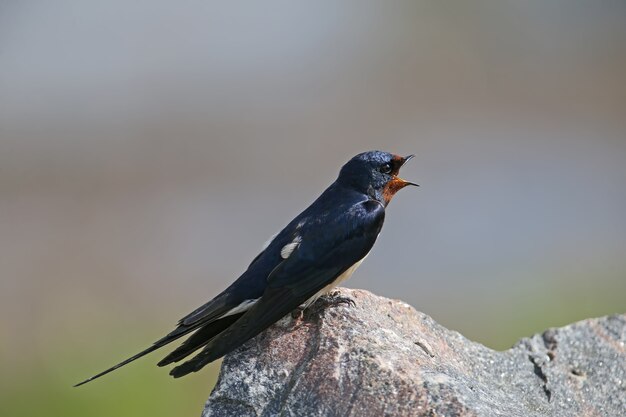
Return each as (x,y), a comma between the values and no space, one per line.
(315,263)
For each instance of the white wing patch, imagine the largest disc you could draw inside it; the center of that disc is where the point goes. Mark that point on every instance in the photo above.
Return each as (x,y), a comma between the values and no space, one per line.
(290,247)
(244,306)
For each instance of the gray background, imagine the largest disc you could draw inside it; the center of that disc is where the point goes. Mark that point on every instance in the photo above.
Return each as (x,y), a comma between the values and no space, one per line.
(148,149)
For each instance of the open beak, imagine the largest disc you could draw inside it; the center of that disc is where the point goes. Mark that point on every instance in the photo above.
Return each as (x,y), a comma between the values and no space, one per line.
(396,183)
(403,183)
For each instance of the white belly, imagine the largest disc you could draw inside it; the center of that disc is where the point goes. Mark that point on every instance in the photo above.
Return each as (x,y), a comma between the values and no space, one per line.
(341,278)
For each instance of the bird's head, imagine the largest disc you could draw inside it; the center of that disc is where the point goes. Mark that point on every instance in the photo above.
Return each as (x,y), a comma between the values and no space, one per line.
(375,173)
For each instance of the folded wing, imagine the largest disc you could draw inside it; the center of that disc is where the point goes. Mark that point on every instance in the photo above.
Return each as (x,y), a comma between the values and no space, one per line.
(323,255)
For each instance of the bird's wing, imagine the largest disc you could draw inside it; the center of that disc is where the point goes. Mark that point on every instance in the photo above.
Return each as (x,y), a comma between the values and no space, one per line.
(240,294)
(324,254)
(209,311)
(209,319)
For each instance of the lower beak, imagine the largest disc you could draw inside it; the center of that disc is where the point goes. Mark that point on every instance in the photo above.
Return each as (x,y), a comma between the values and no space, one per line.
(404,183)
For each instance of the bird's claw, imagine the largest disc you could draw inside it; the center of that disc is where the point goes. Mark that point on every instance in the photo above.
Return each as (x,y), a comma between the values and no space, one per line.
(335,298)
(297,313)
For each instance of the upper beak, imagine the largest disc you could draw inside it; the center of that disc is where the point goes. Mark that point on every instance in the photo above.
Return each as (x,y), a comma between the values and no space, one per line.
(404,161)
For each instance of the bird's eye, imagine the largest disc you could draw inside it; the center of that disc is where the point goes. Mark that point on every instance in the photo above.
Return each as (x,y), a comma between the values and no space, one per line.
(385,169)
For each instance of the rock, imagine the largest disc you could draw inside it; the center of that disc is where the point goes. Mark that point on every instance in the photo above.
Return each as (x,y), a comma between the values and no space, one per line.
(384,358)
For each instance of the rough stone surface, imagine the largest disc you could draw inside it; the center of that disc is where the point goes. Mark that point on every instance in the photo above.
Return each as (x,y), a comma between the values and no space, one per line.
(384,358)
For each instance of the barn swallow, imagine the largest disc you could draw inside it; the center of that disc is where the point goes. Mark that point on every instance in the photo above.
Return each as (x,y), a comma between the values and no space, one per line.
(316,251)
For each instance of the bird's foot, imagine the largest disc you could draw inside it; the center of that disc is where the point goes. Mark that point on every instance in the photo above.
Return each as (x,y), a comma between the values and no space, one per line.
(331,299)
(335,298)
(297,313)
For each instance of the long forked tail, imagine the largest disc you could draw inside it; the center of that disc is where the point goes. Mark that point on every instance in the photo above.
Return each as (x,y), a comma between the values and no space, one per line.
(210,319)
(200,338)
(175,334)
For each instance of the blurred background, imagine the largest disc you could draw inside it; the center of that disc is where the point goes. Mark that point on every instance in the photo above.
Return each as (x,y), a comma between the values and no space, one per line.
(149,148)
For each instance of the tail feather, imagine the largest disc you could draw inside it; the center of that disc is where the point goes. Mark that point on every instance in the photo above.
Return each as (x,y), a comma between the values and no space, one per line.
(199,339)
(274,304)
(170,337)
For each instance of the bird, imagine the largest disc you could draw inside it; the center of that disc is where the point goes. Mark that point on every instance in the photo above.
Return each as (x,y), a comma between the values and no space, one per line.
(317,250)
